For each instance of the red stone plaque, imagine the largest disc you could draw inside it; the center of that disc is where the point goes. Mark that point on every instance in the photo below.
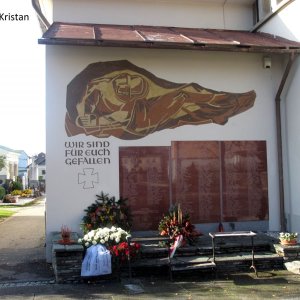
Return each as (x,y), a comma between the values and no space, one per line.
(244,181)
(214,181)
(144,180)
(196,179)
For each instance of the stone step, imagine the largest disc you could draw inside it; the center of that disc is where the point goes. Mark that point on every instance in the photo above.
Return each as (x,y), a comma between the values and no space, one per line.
(288,252)
(262,243)
(193,266)
(243,261)
(224,263)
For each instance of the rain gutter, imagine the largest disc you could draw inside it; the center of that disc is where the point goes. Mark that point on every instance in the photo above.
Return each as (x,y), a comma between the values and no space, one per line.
(41,16)
(269,16)
(292,57)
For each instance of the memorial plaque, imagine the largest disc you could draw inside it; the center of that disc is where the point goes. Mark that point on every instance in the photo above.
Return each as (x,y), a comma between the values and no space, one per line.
(144,180)
(212,180)
(244,181)
(196,179)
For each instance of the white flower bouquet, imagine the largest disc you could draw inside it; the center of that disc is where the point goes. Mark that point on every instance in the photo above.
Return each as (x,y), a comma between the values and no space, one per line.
(104,236)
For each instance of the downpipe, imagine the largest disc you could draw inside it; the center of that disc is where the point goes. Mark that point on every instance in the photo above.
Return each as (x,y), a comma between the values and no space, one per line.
(41,16)
(291,60)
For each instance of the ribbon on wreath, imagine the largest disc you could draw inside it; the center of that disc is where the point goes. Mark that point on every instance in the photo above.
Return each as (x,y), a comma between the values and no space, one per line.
(177,244)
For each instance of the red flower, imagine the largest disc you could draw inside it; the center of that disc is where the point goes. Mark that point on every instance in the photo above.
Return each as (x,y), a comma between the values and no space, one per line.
(123,250)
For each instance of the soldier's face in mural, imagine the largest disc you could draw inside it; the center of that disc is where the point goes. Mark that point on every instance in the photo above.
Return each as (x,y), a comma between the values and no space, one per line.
(130,103)
(129,87)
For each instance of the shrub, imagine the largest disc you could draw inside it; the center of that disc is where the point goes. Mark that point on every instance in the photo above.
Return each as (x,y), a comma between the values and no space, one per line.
(7,186)
(17,186)
(16,193)
(2,192)
(26,193)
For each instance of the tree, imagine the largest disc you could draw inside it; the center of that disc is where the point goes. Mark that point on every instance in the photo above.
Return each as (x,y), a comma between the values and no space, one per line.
(2,161)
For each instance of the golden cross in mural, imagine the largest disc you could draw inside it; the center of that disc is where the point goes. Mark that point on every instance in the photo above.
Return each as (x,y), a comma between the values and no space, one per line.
(119,99)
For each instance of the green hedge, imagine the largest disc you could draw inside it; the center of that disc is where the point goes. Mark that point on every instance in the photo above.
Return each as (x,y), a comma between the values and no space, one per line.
(2,192)
(17,186)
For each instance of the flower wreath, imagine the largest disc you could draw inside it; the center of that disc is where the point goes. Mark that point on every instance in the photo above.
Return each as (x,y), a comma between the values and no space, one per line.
(176,223)
(106,212)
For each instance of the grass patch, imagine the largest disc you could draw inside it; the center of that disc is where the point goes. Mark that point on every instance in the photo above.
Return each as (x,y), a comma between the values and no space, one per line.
(34,202)
(31,203)
(5,213)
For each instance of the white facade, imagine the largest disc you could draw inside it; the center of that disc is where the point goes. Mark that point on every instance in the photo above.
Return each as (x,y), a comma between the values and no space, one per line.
(10,171)
(36,170)
(189,13)
(222,71)
(286,24)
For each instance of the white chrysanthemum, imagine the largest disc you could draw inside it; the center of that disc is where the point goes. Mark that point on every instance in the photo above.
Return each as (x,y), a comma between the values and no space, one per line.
(104,236)
(91,234)
(105,230)
(79,241)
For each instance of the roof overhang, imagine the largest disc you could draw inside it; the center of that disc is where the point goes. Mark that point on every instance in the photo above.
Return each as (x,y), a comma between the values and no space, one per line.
(137,36)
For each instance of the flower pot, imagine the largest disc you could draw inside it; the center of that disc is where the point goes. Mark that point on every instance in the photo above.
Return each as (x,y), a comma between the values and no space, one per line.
(66,241)
(288,243)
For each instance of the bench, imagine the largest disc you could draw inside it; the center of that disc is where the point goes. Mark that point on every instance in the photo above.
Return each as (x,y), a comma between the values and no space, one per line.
(234,234)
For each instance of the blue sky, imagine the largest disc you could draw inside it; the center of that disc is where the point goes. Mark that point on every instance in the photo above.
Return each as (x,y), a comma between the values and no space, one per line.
(22,94)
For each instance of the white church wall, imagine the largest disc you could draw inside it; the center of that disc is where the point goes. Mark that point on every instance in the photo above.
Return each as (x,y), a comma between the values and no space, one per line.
(67,197)
(189,13)
(286,24)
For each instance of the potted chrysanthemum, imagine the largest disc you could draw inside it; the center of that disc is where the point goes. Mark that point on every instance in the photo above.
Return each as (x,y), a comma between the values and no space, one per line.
(288,238)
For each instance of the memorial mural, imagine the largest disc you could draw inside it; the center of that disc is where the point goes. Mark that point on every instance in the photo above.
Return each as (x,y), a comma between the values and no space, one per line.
(119,99)
(214,181)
